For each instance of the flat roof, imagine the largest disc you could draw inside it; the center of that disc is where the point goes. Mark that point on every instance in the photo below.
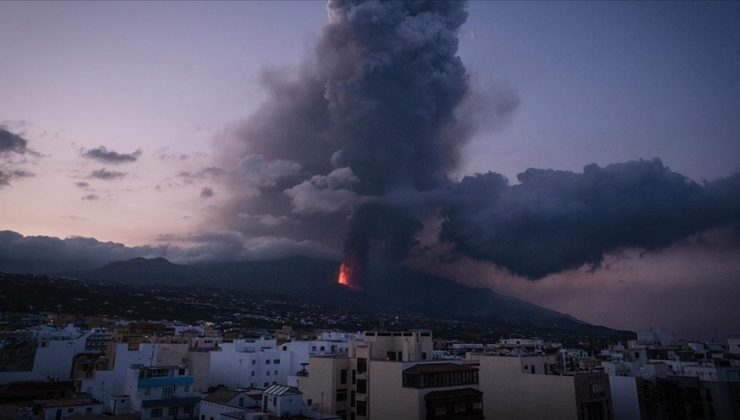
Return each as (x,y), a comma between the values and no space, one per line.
(438,367)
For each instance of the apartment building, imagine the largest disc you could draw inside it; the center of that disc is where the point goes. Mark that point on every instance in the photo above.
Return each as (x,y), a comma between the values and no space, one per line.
(391,375)
(527,387)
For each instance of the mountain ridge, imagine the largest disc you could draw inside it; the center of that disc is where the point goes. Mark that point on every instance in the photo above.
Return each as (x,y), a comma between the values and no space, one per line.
(314,279)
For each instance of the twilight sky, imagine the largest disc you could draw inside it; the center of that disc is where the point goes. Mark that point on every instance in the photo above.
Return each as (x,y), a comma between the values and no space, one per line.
(134,113)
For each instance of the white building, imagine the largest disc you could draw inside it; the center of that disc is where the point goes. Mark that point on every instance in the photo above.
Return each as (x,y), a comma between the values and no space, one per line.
(52,360)
(62,409)
(262,363)
(733,344)
(108,383)
(162,392)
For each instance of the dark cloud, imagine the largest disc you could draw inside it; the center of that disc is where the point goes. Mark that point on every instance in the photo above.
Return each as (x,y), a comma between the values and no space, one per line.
(16,246)
(89,197)
(106,175)
(206,192)
(209,173)
(102,154)
(10,169)
(12,143)
(193,248)
(8,175)
(82,184)
(557,220)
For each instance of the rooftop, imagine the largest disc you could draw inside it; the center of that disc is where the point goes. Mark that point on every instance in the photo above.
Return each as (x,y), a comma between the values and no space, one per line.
(282,390)
(438,367)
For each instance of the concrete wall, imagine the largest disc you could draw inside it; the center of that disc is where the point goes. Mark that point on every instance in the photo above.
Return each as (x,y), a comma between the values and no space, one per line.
(200,365)
(388,400)
(509,393)
(625,399)
(53,360)
(322,382)
(233,367)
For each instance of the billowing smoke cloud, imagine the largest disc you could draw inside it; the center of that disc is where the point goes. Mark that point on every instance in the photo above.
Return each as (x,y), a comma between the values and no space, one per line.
(557,220)
(358,142)
(377,110)
(102,154)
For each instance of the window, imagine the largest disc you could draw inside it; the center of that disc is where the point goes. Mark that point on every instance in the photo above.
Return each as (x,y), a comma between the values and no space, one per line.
(361,365)
(275,372)
(156,412)
(354,376)
(254,362)
(276,362)
(168,392)
(267,373)
(241,401)
(181,372)
(423,356)
(172,411)
(390,356)
(147,391)
(361,408)
(362,386)
(341,395)
(267,384)
(343,376)
(188,409)
(252,373)
(267,362)
(352,398)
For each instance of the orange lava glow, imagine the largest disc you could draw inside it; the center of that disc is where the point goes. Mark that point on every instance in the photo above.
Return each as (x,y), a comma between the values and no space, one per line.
(346,270)
(344,275)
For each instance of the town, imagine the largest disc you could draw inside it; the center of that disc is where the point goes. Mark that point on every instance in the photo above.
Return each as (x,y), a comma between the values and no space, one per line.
(52,368)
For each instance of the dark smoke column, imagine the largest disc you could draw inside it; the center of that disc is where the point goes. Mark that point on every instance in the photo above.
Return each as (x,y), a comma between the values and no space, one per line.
(394,81)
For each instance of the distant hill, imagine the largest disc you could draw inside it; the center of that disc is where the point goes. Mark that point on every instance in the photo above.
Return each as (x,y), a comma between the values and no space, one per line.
(314,280)
(385,288)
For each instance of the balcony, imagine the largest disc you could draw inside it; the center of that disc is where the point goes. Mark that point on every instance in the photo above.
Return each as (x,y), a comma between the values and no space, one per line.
(165,381)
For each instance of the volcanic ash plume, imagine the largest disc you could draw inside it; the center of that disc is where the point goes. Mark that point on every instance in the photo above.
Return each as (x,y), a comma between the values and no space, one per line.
(357,143)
